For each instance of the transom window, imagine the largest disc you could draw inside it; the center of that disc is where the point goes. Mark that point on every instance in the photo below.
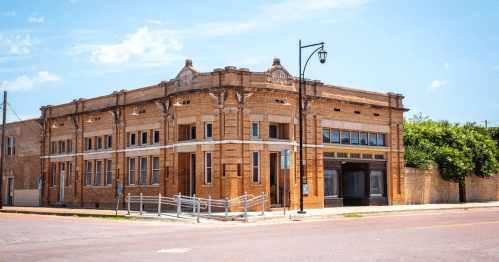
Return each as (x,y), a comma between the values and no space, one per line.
(345,137)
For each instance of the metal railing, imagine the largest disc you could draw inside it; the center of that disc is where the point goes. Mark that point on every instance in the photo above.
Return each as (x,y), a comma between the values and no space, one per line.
(196,203)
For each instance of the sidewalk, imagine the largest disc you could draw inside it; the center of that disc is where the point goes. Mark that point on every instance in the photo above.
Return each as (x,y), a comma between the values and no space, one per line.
(186,217)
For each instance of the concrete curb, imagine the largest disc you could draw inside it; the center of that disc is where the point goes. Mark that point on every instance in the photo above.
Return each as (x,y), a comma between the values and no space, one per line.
(57,213)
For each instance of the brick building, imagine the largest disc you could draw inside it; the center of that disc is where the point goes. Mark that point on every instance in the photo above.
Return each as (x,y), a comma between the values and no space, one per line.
(21,169)
(220,134)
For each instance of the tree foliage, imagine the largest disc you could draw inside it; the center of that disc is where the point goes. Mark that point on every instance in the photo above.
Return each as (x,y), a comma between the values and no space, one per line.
(458,150)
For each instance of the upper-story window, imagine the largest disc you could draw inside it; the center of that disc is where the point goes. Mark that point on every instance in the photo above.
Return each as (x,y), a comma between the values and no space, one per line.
(208,131)
(335,136)
(278,131)
(89,144)
(99,143)
(381,140)
(54,148)
(11,146)
(363,139)
(192,132)
(70,146)
(345,137)
(353,137)
(255,132)
(132,140)
(143,138)
(109,142)
(326,136)
(273,131)
(62,148)
(156,137)
(372,139)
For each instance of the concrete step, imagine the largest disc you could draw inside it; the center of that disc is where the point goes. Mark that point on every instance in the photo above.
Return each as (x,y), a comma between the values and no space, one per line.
(278,209)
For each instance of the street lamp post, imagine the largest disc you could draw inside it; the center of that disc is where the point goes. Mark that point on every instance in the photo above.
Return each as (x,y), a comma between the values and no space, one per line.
(322,58)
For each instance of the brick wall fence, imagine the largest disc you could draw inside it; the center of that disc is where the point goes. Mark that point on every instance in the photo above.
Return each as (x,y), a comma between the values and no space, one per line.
(427,187)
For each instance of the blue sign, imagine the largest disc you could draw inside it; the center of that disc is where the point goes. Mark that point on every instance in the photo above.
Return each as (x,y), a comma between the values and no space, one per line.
(119,190)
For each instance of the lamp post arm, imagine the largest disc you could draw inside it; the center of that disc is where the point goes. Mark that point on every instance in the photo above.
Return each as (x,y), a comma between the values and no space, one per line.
(305,67)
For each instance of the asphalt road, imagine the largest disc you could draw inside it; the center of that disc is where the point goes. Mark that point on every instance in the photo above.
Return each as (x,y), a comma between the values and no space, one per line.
(456,236)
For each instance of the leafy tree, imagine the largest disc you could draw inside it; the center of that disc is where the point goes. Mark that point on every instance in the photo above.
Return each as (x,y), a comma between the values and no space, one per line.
(458,150)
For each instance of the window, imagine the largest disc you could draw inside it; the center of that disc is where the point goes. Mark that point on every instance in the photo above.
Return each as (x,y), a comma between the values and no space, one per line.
(335,136)
(192,132)
(377,182)
(131,171)
(70,146)
(99,143)
(11,146)
(223,170)
(367,156)
(372,139)
(208,134)
(54,174)
(132,140)
(255,130)
(337,110)
(109,142)
(70,173)
(239,170)
(207,173)
(342,155)
(54,148)
(62,148)
(143,139)
(345,137)
(98,173)
(376,114)
(326,136)
(109,172)
(381,140)
(155,171)
(89,144)
(88,180)
(331,183)
(143,171)
(379,157)
(156,137)
(354,155)
(256,168)
(354,138)
(273,131)
(356,112)
(142,111)
(363,139)
(167,172)
(328,154)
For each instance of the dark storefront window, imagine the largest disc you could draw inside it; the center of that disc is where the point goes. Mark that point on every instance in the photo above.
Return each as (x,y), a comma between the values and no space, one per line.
(377,182)
(331,183)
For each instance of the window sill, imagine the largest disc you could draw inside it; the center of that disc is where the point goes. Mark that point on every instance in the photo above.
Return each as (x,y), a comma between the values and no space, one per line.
(256,184)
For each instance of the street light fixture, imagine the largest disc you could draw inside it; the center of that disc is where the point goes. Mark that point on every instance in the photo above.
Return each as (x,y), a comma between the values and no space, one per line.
(322,58)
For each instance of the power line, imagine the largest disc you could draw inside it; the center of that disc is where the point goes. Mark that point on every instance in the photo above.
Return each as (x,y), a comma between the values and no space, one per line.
(22,121)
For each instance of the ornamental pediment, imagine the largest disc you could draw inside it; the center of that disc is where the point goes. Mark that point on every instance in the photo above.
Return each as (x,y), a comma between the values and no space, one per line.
(187,76)
(277,74)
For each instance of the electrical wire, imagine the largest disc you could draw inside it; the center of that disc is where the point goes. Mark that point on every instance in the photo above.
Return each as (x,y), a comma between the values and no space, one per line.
(22,121)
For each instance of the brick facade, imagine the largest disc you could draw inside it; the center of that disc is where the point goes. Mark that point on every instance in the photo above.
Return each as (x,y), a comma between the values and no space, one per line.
(230,123)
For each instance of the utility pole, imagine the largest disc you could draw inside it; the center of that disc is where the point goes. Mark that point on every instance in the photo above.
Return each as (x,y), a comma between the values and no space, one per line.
(485,124)
(2,151)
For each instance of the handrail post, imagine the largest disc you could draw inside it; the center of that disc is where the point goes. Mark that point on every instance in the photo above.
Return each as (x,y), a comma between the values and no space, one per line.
(194,204)
(141,204)
(209,207)
(226,209)
(199,208)
(245,206)
(159,205)
(178,204)
(263,204)
(129,204)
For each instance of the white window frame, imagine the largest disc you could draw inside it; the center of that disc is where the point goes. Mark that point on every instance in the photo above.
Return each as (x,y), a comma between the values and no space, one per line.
(208,168)
(206,131)
(141,170)
(131,171)
(11,146)
(257,130)
(191,136)
(98,173)
(253,168)
(154,171)
(88,174)
(70,173)
(109,172)
(109,142)
(142,143)
(154,137)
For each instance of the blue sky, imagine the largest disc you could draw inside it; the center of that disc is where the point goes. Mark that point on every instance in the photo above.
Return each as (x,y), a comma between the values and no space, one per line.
(442,56)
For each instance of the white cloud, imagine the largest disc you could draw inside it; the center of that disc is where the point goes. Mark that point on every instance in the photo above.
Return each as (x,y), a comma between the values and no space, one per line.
(437,84)
(142,46)
(36,20)
(11,13)
(446,65)
(18,44)
(26,83)
(153,21)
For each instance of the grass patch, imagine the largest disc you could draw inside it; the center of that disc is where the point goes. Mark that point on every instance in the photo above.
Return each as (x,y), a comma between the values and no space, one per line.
(74,216)
(354,215)
(53,215)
